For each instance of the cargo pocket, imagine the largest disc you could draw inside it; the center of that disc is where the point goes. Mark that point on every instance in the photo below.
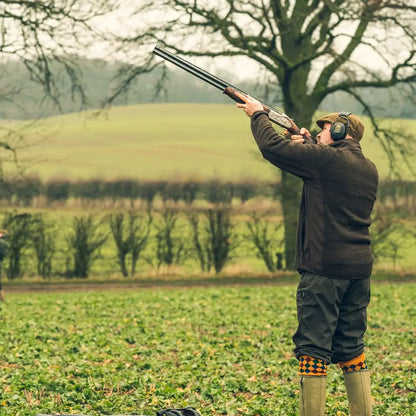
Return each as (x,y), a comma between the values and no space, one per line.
(300,302)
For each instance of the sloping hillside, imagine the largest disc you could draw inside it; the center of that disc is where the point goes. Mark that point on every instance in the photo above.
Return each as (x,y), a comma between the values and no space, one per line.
(156,141)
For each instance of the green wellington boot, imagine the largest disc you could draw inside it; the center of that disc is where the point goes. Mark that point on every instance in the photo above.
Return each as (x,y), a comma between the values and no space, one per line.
(358,387)
(312,395)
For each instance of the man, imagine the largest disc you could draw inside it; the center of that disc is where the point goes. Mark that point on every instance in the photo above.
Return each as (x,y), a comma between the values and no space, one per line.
(4,246)
(333,252)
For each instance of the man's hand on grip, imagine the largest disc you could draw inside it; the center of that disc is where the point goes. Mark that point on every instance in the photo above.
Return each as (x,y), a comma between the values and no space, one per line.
(250,105)
(303,136)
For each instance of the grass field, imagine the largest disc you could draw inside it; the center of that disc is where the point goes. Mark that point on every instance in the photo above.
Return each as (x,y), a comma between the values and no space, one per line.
(159,141)
(225,351)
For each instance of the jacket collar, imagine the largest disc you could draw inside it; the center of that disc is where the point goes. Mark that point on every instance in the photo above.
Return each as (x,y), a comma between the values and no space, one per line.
(346,143)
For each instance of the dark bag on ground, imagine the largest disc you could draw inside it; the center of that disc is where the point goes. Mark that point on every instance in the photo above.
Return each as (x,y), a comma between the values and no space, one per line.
(187,411)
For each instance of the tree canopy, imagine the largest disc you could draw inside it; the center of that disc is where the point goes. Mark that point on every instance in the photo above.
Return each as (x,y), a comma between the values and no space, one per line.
(310,48)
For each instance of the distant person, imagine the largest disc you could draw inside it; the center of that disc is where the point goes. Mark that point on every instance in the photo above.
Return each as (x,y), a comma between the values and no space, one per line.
(333,252)
(4,247)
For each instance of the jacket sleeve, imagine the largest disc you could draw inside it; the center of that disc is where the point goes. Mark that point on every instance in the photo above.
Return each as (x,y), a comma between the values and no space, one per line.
(300,159)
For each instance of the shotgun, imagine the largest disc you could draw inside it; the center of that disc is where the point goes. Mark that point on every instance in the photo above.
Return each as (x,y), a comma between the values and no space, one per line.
(275,115)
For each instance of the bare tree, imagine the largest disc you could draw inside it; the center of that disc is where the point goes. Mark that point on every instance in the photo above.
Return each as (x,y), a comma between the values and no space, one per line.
(213,237)
(46,37)
(84,244)
(44,244)
(19,228)
(170,247)
(310,49)
(131,234)
(265,238)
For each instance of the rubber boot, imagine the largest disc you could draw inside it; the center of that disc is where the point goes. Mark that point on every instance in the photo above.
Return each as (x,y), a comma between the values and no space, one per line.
(358,387)
(312,395)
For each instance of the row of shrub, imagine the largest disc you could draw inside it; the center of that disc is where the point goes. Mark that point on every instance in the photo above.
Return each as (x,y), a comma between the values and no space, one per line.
(206,238)
(70,246)
(22,191)
(401,194)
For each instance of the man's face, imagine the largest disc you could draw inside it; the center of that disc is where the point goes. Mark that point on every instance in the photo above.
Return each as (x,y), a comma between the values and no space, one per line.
(324,137)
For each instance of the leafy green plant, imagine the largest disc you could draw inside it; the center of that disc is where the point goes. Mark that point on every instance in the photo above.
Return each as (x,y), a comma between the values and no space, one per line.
(222,350)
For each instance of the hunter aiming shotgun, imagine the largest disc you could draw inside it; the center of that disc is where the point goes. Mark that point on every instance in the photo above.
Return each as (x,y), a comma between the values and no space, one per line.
(276,116)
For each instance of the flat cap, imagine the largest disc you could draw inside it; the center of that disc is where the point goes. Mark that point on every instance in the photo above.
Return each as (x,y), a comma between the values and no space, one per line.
(355,129)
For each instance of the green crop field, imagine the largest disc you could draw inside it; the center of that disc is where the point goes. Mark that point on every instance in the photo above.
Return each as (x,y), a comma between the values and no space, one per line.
(225,351)
(159,141)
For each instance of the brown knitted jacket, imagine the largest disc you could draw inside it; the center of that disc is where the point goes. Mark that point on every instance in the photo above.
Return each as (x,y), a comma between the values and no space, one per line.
(339,191)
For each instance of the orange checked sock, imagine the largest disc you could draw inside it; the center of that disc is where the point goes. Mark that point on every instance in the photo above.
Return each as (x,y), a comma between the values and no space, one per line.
(309,366)
(356,364)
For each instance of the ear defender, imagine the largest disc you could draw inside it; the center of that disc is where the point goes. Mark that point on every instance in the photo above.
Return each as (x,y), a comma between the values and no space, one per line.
(339,129)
